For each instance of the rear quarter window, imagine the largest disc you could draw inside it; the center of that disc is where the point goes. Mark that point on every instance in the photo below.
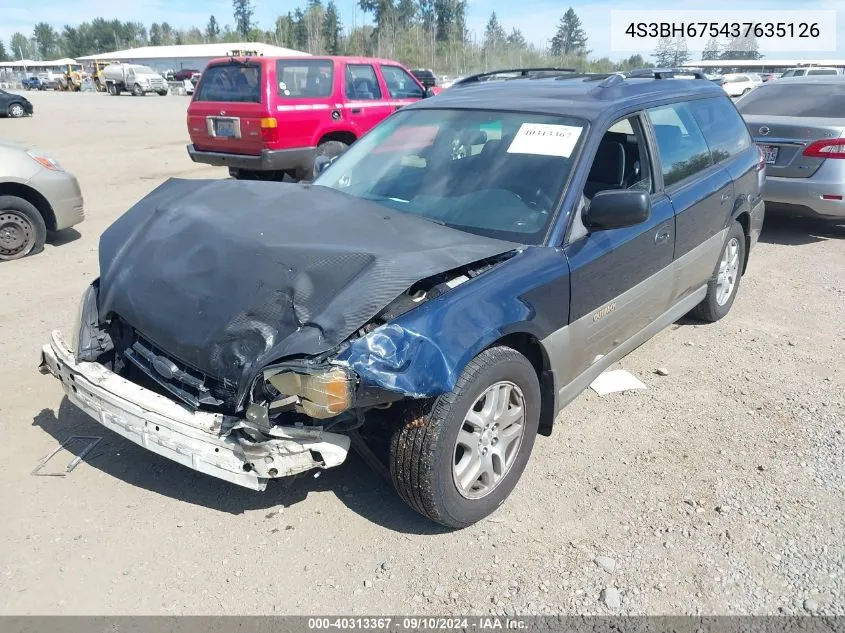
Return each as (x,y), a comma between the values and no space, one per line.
(681,146)
(240,83)
(722,126)
(305,79)
(796,99)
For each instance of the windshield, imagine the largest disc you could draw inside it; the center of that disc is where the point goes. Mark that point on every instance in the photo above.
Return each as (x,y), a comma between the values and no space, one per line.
(235,81)
(143,70)
(491,173)
(795,99)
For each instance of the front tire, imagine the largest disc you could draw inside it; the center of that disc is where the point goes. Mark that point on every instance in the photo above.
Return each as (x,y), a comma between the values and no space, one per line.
(22,229)
(16,110)
(137,90)
(162,93)
(724,284)
(458,459)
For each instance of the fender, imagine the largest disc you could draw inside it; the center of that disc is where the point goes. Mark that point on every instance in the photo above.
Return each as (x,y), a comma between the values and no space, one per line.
(422,353)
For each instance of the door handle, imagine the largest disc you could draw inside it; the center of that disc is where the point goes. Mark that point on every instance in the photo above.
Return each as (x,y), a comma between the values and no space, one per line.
(356,110)
(725,197)
(661,237)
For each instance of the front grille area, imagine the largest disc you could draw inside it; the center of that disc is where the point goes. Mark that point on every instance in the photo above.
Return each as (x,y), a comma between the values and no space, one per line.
(191,386)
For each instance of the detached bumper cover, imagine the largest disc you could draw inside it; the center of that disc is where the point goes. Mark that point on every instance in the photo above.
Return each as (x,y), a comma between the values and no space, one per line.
(199,440)
(267,160)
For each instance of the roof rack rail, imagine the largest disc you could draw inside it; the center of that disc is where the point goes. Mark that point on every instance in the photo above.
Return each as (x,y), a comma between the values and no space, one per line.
(663,73)
(519,72)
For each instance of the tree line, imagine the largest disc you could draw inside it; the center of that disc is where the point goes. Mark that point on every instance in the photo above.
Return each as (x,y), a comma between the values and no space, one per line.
(672,52)
(418,33)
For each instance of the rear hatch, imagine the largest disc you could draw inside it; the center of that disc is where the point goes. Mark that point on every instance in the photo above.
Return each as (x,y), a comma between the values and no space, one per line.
(228,108)
(796,125)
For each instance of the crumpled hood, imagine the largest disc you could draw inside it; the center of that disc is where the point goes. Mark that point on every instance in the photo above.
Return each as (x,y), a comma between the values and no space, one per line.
(229,276)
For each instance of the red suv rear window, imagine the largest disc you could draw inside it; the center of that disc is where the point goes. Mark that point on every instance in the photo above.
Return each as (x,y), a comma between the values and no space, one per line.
(234,81)
(306,78)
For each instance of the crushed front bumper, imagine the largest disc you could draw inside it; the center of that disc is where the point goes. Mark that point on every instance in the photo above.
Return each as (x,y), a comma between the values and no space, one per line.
(199,440)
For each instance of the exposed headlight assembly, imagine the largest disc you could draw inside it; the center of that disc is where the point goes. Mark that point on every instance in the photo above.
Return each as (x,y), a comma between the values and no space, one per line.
(90,340)
(321,394)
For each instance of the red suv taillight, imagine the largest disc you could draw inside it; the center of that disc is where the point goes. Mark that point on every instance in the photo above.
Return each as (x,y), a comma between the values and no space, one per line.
(828,148)
(269,125)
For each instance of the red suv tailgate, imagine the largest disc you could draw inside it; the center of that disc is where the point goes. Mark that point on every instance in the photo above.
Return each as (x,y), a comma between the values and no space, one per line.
(229,104)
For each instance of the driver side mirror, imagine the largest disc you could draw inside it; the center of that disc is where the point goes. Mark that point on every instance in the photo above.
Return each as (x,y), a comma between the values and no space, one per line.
(617,209)
(429,92)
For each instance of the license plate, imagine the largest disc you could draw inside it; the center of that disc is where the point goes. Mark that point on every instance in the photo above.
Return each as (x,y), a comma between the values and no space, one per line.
(770,154)
(225,128)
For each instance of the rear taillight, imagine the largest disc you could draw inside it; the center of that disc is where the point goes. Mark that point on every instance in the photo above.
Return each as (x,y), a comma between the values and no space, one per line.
(828,148)
(269,125)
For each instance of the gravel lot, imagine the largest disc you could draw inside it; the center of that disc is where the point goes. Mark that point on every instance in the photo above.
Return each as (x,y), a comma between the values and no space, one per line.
(718,490)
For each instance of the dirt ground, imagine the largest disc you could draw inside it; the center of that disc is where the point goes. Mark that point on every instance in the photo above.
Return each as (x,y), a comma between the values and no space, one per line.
(718,490)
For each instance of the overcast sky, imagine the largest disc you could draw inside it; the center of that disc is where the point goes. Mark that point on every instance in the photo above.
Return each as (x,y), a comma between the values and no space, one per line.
(536,18)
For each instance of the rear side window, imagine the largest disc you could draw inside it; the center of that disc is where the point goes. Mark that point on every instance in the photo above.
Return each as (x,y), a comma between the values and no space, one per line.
(796,99)
(680,144)
(822,71)
(231,82)
(722,126)
(305,78)
(400,84)
(361,82)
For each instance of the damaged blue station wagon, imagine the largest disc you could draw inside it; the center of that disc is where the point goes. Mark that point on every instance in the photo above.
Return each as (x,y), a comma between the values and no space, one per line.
(434,298)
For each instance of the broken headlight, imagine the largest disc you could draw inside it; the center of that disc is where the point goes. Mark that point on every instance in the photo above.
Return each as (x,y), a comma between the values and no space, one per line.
(83,307)
(90,339)
(318,393)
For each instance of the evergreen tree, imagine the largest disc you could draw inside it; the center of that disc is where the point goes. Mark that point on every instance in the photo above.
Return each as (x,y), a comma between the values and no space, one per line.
(664,54)
(570,38)
(243,11)
(20,47)
(711,50)
(46,40)
(494,36)
(212,29)
(742,48)
(155,34)
(332,29)
(4,56)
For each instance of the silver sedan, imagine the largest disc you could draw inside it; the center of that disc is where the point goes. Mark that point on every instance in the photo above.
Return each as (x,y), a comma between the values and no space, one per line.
(800,126)
(36,196)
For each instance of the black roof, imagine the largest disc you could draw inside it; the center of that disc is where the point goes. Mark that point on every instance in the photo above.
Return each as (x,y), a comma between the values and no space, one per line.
(584,96)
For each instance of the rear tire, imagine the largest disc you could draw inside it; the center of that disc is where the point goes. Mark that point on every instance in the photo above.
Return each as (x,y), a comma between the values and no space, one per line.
(22,229)
(724,284)
(454,461)
(331,148)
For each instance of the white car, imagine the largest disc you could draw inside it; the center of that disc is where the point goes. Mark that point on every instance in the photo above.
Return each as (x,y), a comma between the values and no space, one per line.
(738,84)
(811,70)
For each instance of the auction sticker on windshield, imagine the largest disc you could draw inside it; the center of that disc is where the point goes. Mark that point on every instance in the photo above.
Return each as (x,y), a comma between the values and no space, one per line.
(544,139)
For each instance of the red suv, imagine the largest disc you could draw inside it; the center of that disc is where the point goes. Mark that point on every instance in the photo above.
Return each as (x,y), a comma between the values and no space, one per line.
(264,117)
